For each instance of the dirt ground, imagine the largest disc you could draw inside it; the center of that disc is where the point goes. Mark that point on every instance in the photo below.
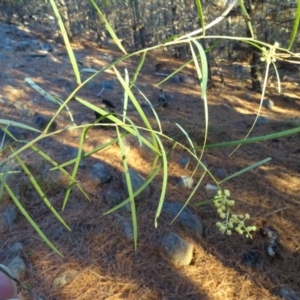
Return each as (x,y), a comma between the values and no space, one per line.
(107,265)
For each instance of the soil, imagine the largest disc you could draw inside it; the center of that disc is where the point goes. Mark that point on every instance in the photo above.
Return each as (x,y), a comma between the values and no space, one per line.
(108,266)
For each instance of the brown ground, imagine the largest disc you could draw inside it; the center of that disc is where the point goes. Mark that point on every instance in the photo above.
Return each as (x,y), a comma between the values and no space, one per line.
(108,266)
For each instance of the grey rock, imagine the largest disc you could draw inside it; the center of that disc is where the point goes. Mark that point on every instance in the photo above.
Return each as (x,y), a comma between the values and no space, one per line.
(269,104)
(100,173)
(211,190)
(184,162)
(108,85)
(125,226)
(74,153)
(186,181)
(188,79)
(287,293)
(17,267)
(22,46)
(15,249)
(186,218)
(64,279)
(136,181)
(41,123)
(250,258)
(112,197)
(92,84)
(109,58)
(35,45)
(179,251)
(48,47)
(220,173)
(176,79)
(262,120)
(58,232)
(9,216)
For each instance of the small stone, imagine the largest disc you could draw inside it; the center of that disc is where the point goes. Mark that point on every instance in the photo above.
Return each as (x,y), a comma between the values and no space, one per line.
(124,226)
(41,122)
(262,120)
(74,154)
(188,79)
(269,104)
(186,181)
(220,173)
(250,258)
(108,85)
(17,267)
(186,218)
(184,162)
(58,232)
(112,197)
(48,47)
(64,279)
(211,190)
(9,216)
(176,79)
(136,182)
(100,173)
(15,249)
(287,293)
(179,251)
(22,46)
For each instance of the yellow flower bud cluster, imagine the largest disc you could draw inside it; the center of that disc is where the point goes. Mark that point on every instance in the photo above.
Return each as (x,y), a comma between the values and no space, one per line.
(231,221)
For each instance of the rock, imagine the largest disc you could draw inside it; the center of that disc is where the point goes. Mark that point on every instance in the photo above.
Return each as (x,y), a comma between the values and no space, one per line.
(184,162)
(9,216)
(186,181)
(211,190)
(287,293)
(262,120)
(250,258)
(125,226)
(136,181)
(41,123)
(269,104)
(58,232)
(64,279)
(187,219)
(22,46)
(17,267)
(48,47)
(188,79)
(179,251)
(108,85)
(113,198)
(100,173)
(220,173)
(15,249)
(175,79)
(90,85)
(74,153)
